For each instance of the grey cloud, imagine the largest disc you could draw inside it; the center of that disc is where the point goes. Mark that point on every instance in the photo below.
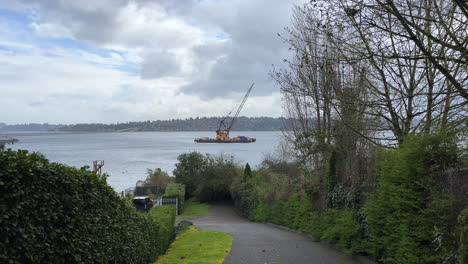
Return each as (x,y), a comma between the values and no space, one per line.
(253,47)
(251,26)
(159,64)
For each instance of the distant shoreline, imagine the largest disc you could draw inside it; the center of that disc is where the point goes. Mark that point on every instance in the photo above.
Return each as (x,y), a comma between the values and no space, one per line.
(26,133)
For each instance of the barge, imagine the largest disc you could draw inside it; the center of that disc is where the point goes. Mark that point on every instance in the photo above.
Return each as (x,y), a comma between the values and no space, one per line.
(222,134)
(239,139)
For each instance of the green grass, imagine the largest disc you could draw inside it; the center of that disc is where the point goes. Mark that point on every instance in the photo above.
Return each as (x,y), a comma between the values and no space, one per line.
(198,246)
(195,209)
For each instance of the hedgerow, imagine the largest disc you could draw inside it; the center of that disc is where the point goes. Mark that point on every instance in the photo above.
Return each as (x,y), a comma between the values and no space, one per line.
(176,190)
(52,213)
(164,218)
(463,236)
(403,213)
(407,219)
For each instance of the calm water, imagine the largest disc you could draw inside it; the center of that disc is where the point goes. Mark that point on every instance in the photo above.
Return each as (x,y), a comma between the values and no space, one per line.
(128,155)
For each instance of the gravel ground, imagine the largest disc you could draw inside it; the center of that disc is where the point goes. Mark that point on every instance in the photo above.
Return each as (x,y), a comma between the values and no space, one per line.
(268,244)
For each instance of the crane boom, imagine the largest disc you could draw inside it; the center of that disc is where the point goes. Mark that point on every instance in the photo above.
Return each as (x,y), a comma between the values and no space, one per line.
(224,128)
(241,106)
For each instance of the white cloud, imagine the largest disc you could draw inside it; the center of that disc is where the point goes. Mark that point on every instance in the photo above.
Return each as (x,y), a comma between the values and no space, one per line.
(64,87)
(152,60)
(52,30)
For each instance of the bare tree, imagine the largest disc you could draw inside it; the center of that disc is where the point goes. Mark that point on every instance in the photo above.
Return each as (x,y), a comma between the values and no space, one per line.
(359,78)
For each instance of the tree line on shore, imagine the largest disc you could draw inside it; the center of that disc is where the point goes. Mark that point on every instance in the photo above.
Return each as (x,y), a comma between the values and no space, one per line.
(189,124)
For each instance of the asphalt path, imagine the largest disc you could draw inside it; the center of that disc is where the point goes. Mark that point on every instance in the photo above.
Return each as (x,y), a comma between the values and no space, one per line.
(269,244)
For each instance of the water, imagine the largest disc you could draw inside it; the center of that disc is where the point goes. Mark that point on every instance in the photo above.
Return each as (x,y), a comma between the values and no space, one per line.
(128,155)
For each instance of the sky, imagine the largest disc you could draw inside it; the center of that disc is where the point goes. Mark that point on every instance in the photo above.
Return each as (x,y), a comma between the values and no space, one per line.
(107,61)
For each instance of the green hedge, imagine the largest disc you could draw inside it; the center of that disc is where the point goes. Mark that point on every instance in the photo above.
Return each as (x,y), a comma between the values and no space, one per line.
(176,190)
(51,213)
(406,212)
(164,218)
(407,219)
(463,236)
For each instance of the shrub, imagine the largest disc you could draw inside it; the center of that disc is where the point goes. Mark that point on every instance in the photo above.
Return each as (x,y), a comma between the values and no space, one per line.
(341,227)
(189,171)
(54,213)
(246,199)
(182,226)
(218,175)
(207,177)
(463,234)
(262,212)
(400,226)
(163,217)
(176,190)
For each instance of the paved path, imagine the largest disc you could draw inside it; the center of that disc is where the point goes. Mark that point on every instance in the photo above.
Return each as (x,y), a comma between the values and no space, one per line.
(258,243)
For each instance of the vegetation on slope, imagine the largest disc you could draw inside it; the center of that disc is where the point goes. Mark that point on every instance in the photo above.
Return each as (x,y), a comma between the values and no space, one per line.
(52,213)
(411,216)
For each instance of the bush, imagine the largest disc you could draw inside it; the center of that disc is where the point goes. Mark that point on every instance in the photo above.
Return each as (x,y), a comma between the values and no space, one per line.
(176,190)
(463,234)
(54,213)
(218,175)
(189,171)
(207,177)
(163,217)
(399,214)
(262,212)
(182,226)
(341,227)
(245,197)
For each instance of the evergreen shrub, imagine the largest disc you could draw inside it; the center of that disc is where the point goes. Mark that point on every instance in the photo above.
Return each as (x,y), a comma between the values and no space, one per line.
(176,190)
(52,213)
(463,236)
(262,213)
(400,221)
(164,218)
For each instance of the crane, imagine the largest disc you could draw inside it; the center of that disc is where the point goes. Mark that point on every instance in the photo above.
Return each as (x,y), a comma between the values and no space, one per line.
(225,125)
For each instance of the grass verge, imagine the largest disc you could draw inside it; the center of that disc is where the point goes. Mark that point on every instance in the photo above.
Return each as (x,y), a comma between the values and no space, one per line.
(194,209)
(198,246)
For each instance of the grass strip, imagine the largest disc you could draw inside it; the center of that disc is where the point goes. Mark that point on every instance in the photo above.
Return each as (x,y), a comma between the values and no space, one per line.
(198,246)
(194,209)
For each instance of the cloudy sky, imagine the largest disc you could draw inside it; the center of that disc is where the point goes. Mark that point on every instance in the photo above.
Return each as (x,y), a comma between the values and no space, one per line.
(66,61)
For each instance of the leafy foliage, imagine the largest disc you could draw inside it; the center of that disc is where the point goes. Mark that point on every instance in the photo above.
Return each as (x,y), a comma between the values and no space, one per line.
(157,178)
(207,177)
(408,218)
(189,170)
(163,217)
(399,217)
(463,234)
(176,190)
(52,213)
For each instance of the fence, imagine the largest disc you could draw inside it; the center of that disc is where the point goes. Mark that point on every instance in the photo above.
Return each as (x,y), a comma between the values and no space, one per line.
(168,201)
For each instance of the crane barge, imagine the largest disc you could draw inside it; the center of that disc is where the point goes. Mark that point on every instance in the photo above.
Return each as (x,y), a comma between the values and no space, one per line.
(222,134)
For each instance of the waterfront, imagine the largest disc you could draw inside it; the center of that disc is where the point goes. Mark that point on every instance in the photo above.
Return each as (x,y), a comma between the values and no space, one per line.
(128,155)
